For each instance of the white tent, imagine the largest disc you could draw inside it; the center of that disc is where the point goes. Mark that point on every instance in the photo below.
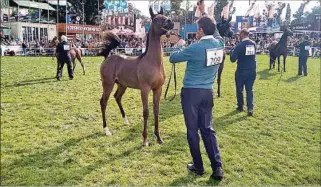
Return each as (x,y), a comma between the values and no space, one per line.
(61,2)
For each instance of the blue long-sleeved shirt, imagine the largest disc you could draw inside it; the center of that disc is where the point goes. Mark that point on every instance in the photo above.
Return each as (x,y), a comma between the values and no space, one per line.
(245,54)
(197,74)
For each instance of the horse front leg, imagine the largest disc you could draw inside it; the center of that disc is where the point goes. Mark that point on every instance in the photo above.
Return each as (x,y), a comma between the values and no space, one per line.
(271,63)
(103,104)
(156,99)
(284,61)
(144,95)
(278,63)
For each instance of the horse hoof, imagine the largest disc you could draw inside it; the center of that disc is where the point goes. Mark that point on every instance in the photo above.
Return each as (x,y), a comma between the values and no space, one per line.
(126,122)
(145,144)
(108,133)
(160,141)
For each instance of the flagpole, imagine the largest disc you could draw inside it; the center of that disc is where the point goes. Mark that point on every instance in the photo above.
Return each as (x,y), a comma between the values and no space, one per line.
(66,19)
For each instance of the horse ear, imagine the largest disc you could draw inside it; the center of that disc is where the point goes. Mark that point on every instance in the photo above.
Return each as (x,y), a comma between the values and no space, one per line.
(151,12)
(161,11)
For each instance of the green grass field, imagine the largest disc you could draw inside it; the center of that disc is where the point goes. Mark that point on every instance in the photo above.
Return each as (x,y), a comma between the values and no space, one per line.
(51,132)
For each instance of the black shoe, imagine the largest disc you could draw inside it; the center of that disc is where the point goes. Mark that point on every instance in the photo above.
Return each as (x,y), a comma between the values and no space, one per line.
(70,78)
(217,174)
(192,169)
(58,79)
(299,74)
(305,74)
(250,113)
(240,109)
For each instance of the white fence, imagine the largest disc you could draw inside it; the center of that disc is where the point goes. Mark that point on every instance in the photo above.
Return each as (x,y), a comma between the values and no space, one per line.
(18,51)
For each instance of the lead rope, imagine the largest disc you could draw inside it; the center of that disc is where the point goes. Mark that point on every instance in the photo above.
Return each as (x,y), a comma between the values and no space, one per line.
(173,71)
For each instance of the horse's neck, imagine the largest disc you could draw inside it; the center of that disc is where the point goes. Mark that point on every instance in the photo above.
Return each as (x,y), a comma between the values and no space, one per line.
(284,40)
(154,50)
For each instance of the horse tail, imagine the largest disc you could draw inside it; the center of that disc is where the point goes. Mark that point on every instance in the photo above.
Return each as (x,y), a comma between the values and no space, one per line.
(111,41)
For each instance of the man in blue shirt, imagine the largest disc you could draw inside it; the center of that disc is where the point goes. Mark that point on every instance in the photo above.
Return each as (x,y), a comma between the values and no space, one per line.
(203,60)
(304,55)
(245,75)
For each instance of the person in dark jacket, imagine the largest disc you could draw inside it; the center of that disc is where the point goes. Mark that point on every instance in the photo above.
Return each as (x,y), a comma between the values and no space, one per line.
(245,75)
(304,55)
(24,48)
(62,52)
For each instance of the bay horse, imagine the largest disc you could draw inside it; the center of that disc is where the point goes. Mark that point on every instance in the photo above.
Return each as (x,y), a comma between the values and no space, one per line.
(276,49)
(74,53)
(145,72)
(224,29)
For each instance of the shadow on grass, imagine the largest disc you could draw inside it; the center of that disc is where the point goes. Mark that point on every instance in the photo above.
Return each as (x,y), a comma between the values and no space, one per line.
(35,81)
(222,122)
(265,74)
(292,79)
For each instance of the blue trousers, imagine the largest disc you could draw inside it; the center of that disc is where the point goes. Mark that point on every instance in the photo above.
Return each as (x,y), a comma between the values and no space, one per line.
(245,78)
(303,65)
(197,105)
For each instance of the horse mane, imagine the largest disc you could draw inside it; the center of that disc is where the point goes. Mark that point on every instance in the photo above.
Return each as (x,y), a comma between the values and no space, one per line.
(112,41)
(146,48)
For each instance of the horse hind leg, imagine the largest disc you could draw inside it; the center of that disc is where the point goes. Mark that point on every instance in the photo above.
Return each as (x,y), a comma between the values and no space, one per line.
(118,96)
(81,63)
(144,96)
(74,65)
(103,104)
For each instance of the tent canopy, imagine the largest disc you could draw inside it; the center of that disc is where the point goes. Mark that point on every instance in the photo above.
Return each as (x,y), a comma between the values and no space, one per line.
(61,2)
(44,6)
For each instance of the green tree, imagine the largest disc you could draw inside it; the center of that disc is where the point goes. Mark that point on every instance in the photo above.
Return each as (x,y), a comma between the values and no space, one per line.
(279,11)
(176,6)
(232,9)
(299,13)
(220,4)
(288,15)
(310,16)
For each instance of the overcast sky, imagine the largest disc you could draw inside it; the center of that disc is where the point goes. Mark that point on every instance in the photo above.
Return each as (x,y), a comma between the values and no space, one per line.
(241,6)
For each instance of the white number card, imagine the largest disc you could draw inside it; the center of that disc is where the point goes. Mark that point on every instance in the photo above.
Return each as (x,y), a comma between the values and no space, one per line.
(214,57)
(307,47)
(66,47)
(250,50)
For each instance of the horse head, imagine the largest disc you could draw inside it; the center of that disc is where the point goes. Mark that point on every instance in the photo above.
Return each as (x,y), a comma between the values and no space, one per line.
(160,23)
(224,27)
(288,32)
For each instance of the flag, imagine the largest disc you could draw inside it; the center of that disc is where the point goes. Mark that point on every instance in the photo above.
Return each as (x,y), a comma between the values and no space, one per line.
(225,11)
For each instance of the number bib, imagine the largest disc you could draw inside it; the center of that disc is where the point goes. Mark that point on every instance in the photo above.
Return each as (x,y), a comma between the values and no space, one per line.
(214,57)
(66,47)
(307,48)
(249,50)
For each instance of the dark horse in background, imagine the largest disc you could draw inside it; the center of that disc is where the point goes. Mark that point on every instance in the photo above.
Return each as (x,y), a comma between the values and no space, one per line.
(224,29)
(276,49)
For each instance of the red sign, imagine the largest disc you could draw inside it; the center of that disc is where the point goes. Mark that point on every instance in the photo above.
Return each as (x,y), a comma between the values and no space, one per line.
(78,29)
